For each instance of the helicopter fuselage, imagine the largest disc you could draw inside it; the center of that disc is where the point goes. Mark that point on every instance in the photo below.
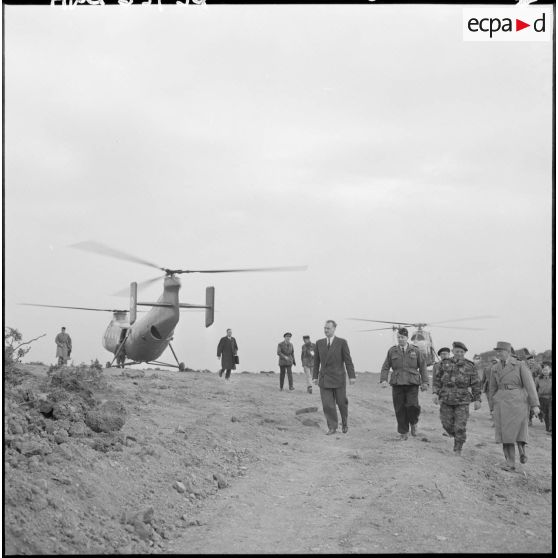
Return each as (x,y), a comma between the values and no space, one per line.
(148,337)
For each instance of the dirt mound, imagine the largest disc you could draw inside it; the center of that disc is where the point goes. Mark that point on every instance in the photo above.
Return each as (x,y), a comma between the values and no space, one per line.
(97,462)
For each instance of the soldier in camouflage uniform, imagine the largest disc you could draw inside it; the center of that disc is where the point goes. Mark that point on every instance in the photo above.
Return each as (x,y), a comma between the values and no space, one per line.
(455,384)
(443,353)
(536,371)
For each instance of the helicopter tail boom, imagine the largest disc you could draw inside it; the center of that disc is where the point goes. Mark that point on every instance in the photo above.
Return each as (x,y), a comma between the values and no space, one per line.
(210,305)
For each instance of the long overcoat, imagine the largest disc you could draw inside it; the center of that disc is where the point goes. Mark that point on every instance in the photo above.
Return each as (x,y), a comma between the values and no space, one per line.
(511,394)
(227,349)
(63,345)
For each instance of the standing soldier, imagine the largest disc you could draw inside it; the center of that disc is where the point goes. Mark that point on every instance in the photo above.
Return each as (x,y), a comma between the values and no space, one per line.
(227,351)
(307,359)
(544,391)
(536,371)
(408,372)
(454,386)
(63,346)
(285,352)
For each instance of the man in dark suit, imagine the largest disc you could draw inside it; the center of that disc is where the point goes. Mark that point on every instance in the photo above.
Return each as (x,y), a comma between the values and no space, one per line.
(331,358)
(227,351)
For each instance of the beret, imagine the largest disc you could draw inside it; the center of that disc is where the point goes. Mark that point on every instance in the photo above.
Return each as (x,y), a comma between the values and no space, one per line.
(459,345)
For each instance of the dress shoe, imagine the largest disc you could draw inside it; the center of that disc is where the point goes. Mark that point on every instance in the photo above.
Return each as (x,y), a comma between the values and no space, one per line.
(291,388)
(345,429)
(523,458)
(403,436)
(330,432)
(413,429)
(508,467)
(309,389)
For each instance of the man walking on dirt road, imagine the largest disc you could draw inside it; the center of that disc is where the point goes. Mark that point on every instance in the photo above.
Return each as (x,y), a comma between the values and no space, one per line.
(455,384)
(408,372)
(227,351)
(332,362)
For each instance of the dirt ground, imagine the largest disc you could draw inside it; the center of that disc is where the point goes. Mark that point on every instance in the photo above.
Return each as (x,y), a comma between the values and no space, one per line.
(207,466)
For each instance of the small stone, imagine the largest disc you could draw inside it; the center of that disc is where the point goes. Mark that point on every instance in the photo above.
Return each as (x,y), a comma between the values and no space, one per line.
(148,515)
(234,419)
(221,482)
(179,487)
(441,538)
(530,533)
(306,410)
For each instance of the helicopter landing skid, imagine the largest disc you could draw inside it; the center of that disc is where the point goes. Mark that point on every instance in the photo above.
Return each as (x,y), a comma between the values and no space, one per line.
(181,367)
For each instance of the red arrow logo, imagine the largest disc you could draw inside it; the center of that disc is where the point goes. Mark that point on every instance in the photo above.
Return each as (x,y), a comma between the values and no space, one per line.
(519,25)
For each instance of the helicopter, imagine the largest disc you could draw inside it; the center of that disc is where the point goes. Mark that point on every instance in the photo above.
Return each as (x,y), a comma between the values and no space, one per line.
(421,337)
(134,341)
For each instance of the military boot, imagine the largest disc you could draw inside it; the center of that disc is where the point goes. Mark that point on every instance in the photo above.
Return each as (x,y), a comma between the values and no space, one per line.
(457,446)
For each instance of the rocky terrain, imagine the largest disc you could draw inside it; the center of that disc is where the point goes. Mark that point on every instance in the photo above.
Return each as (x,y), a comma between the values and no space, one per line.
(130,461)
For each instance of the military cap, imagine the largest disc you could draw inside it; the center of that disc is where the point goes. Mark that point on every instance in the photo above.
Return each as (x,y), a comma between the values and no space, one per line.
(459,345)
(306,336)
(403,331)
(504,346)
(288,334)
(443,349)
(547,363)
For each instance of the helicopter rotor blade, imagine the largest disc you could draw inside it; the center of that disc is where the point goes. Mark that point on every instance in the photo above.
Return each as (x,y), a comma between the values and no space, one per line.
(381,321)
(73,307)
(282,268)
(462,327)
(377,329)
(140,286)
(99,248)
(463,319)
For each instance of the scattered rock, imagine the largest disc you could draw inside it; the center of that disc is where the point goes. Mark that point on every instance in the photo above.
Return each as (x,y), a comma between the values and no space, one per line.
(33,447)
(78,429)
(179,487)
(221,482)
(108,417)
(310,422)
(441,538)
(61,436)
(234,419)
(306,410)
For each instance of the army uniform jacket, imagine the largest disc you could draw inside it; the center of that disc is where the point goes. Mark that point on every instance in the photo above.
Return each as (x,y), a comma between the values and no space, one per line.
(456,382)
(409,367)
(285,351)
(307,355)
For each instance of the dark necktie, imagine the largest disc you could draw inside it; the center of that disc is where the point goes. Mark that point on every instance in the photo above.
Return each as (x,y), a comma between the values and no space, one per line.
(328,343)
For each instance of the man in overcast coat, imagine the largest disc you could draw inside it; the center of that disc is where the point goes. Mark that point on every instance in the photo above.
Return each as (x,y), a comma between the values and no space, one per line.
(332,362)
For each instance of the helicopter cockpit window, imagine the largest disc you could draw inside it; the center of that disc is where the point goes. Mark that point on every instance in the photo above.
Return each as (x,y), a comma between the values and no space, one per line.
(417,337)
(155,332)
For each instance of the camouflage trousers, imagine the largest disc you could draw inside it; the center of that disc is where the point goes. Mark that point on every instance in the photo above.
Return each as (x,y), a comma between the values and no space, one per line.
(454,420)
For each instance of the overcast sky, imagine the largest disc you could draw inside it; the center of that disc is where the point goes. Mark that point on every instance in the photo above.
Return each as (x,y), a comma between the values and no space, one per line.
(410,170)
